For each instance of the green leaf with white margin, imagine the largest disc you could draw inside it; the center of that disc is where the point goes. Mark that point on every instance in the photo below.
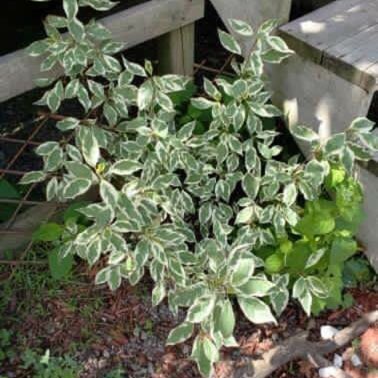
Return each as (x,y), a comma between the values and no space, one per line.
(145,95)
(317,287)
(279,300)
(76,29)
(102,276)
(256,310)
(46,148)
(125,167)
(315,258)
(68,123)
(76,187)
(229,42)
(251,185)
(114,278)
(210,350)
(34,176)
(279,45)
(290,194)
(202,103)
(306,301)
(241,27)
(335,144)
(79,170)
(158,293)
(109,194)
(256,287)
(347,159)
(362,125)
(89,145)
(205,366)
(70,8)
(201,309)
(242,271)
(300,286)
(304,133)
(245,216)
(181,333)
(225,318)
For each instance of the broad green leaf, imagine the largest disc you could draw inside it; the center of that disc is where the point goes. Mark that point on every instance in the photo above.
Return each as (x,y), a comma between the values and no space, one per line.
(48,232)
(60,267)
(342,249)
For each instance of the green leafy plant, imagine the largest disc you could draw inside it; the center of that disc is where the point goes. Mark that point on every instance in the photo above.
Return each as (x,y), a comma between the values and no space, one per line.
(47,366)
(6,350)
(201,201)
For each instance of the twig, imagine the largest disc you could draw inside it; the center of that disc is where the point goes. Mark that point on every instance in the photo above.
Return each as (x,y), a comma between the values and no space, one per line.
(298,347)
(22,262)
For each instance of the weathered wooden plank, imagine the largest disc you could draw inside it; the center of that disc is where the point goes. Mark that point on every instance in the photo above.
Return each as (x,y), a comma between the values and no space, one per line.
(255,12)
(342,37)
(368,231)
(131,26)
(343,20)
(176,51)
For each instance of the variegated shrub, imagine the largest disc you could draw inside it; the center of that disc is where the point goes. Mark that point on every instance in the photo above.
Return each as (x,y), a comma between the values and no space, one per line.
(192,206)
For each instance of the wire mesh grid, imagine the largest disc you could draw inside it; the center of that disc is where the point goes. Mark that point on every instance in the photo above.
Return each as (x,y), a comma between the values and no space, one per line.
(35,133)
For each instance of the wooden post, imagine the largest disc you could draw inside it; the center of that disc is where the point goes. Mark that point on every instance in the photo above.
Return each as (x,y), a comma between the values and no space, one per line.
(176,51)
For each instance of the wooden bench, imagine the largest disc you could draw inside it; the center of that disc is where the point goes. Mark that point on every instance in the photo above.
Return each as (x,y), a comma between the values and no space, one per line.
(332,79)
(171,20)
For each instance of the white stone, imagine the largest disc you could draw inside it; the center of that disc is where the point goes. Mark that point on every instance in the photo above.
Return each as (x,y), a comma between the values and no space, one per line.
(338,361)
(356,361)
(328,372)
(328,332)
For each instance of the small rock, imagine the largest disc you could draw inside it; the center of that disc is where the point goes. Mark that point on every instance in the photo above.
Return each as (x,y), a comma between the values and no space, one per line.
(328,372)
(356,361)
(328,332)
(338,361)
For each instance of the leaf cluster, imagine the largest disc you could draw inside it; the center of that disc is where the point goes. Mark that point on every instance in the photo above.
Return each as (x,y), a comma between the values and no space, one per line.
(211,213)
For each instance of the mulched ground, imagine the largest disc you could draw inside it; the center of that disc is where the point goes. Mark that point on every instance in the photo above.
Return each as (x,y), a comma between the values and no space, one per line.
(103,330)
